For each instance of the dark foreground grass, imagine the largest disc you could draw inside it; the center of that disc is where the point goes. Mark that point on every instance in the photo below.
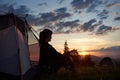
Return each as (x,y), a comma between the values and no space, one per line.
(83,73)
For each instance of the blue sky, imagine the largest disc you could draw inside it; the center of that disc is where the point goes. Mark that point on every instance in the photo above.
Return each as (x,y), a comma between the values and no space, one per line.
(86,21)
(67,16)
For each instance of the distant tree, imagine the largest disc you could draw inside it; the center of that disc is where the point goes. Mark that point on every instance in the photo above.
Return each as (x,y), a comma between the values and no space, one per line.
(66,48)
(74,52)
(75,56)
(67,55)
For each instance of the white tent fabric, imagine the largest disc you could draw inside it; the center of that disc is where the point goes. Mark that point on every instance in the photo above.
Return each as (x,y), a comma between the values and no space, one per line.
(14,54)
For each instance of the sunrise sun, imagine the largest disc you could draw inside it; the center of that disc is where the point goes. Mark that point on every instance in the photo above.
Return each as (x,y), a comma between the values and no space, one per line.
(84,53)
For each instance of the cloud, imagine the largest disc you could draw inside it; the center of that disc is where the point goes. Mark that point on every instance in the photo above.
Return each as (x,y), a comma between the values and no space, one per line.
(63,26)
(21,10)
(105,29)
(116,48)
(92,7)
(51,17)
(47,19)
(61,10)
(60,1)
(88,5)
(32,19)
(56,20)
(74,26)
(114,14)
(5,8)
(112,48)
(88,25)
(43,4)
(117,18)
(68,23)
(66,27)
(61,13)
(113,51)
(81,4)
(103,15)
(97,28)
(113,4)
(94,26)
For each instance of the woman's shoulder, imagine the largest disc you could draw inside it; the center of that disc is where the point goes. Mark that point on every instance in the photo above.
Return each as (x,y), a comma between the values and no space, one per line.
(46,45)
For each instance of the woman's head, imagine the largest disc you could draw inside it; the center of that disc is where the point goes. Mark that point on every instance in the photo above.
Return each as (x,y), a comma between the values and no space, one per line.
(45,35)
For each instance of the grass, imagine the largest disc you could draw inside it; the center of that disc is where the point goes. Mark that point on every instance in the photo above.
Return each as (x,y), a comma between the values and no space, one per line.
(83,73)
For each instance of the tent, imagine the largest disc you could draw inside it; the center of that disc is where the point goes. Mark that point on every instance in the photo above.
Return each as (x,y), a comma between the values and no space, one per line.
(107,61)
(14,52)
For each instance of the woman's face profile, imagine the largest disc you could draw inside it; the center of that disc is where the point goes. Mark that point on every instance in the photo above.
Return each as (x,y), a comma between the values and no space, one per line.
(48,38)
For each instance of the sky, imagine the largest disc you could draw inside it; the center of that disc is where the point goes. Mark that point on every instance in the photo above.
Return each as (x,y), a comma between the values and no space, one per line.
(92,25)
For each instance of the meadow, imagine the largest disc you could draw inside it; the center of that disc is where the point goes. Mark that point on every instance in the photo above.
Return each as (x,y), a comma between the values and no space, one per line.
(84,73)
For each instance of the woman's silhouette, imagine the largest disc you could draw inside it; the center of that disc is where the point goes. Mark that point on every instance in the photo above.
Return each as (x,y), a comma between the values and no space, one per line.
(50,60)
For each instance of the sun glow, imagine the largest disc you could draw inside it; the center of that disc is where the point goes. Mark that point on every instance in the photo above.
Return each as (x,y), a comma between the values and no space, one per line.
(84,53)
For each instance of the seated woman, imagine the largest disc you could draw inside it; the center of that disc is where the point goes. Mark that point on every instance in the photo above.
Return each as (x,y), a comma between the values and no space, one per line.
(50,60)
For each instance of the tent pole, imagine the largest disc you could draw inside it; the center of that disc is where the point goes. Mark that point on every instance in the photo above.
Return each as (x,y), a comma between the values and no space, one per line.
(34,33)
(18,50)
(32,29)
